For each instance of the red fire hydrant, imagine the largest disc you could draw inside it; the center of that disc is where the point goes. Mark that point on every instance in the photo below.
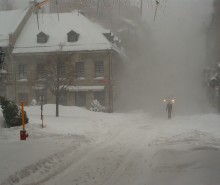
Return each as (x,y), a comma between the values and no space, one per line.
(23,135)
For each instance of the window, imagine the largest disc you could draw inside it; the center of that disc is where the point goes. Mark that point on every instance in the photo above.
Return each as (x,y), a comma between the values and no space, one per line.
(40,71)
(41,40)
(80,69)
(3,66)
(22,71)
(42,37)
(99,69)
(80,98)
(72,36)
(100,96)
(63,98)
(62,68)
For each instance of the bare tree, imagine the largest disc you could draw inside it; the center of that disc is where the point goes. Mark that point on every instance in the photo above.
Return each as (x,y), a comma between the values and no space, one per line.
(59,74)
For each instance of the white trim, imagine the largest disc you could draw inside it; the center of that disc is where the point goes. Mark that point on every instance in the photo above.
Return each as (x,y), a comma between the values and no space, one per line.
(22,80)
(85,88)
(80,78)
(38,87)
(99,78)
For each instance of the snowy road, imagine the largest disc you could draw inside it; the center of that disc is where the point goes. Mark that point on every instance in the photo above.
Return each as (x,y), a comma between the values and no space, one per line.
(120,149)
(105,162)
(143,155)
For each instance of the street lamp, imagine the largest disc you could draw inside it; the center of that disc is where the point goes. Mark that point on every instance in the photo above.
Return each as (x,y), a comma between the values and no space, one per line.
(2,73)
(41,108)
(2,55)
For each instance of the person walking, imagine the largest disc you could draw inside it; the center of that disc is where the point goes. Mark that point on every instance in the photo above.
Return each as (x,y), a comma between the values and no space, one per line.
(169,109)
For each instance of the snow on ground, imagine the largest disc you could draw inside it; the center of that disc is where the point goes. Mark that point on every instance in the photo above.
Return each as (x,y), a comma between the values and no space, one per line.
(88,148)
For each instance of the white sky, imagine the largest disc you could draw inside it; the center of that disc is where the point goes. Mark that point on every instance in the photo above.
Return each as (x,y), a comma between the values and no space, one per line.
(177,50)
(179,32)
(12,18)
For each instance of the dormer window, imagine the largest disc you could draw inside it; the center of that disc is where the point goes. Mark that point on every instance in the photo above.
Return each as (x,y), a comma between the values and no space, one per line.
(42,37)
(72,36)
(109,36)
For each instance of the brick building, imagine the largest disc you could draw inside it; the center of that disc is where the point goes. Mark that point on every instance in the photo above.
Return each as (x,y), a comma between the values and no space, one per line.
(75,40)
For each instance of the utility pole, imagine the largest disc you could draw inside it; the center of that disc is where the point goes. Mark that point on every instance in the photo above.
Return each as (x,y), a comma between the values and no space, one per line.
(157,4)
(110,83)
(15,81)
(2,72)
(57,10)
(97,7)
(119,7)
(141,7)
(41,108)
(57,85)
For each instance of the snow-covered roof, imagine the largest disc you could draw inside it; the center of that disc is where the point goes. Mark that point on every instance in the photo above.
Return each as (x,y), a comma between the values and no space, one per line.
(9,21)
(90,35)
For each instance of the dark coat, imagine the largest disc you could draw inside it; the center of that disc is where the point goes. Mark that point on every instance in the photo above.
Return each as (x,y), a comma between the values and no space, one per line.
(169,107)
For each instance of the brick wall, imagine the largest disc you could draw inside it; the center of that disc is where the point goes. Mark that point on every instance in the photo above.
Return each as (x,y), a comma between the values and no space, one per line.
(88,58)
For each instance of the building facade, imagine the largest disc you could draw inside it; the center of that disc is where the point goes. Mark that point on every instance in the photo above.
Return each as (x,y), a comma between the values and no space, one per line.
(72,40)
(93,78)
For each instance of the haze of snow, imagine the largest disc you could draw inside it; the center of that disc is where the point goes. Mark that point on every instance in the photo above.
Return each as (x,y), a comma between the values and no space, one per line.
(87,148)
(172,60)
(18,4)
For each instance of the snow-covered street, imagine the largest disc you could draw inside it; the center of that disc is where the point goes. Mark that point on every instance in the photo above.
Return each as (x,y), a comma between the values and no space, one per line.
(87,148)
(139,59)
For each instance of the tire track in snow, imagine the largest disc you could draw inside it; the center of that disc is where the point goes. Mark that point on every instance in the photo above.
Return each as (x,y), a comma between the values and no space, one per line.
(133,154)
(51,166)
(46,167)
(103,161)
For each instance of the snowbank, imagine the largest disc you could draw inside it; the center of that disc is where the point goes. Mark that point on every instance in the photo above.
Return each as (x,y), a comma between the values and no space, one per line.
(90,148)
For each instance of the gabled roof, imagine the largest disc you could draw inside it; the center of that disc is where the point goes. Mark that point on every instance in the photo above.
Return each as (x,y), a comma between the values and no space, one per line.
(72,32)
(9,21)
(41,34)
(91,37)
